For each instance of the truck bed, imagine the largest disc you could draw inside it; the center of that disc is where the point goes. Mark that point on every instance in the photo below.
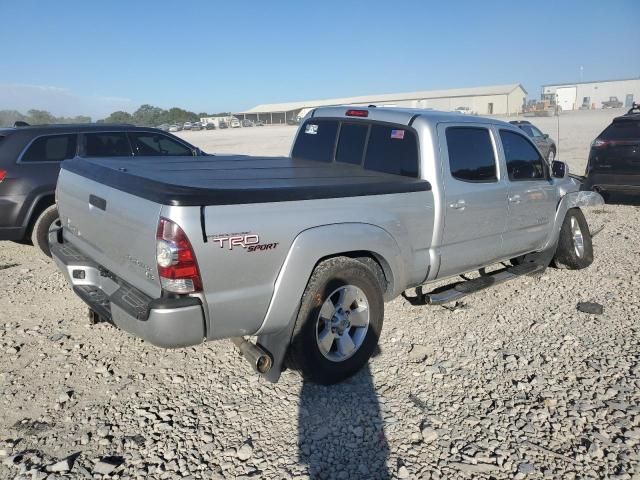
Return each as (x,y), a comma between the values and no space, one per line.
(238,179)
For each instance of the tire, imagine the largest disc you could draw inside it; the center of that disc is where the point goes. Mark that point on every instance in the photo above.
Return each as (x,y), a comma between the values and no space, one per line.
(40,231)
(569,253)
(320,317)
(551,156)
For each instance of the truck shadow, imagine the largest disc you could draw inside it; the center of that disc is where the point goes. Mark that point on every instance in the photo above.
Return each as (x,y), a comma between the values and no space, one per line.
(340,430)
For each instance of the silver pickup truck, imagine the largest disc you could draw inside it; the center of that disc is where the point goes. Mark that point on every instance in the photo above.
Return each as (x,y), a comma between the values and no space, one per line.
(301,252)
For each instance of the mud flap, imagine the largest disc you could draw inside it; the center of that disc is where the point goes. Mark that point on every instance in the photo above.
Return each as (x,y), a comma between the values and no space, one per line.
(277,344)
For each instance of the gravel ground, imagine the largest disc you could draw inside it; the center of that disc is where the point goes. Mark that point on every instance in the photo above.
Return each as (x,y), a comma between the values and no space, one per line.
(545,392)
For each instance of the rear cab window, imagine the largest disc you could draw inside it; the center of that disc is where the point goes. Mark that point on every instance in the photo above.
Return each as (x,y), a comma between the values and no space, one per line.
(106,144)
(624,130)
(51,148)
(377,146)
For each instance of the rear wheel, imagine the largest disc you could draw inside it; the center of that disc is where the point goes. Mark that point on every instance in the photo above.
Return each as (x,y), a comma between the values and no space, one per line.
(575,250)
(339,321)
(40,233)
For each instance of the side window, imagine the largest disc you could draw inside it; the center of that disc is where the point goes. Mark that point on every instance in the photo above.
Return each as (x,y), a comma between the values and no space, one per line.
(149,144)
(527,129)
(52,148)
(471,157)
(523,160)
(106,144)
(351,143)
(536,133)
(392,150)
(316,140)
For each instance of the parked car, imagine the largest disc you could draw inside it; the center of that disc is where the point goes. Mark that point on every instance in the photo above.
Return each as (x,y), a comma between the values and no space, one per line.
(247,123)
(174,128)
(210,126)
(375,201)
(259,123)
(614,158)
(235,123)
(543,141)
(196,126)
(222,124)
(613,102)
(30,161)
(164,127)
(463,110)
(187,126)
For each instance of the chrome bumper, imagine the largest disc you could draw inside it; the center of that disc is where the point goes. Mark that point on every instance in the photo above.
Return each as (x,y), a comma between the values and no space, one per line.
(164,322)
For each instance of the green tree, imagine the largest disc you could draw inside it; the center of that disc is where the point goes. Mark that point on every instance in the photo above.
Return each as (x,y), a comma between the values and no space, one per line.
(119,117)
(40,117)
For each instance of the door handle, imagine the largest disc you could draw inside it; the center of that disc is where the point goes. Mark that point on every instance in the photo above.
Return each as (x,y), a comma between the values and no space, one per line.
(514,199)
(459,205)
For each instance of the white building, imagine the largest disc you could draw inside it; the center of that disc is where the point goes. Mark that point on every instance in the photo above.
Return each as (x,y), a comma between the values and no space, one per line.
(572,96)
(217,119)
(492,100)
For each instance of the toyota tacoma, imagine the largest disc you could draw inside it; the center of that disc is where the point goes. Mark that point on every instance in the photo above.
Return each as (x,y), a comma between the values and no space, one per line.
(294,257)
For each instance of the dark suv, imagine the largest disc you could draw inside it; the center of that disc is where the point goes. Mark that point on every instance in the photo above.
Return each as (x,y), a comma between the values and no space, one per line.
(30,159)
(614,159)
(542,140)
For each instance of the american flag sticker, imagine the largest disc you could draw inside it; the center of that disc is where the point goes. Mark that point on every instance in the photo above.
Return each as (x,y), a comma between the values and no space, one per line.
(311,129)
(397,134)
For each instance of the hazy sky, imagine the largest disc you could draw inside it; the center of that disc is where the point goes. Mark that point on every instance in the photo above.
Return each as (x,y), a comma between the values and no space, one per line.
(85,57)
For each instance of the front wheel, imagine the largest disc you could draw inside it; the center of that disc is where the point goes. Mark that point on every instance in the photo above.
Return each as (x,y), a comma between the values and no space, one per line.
(339,321)
(551,156)
(575,249)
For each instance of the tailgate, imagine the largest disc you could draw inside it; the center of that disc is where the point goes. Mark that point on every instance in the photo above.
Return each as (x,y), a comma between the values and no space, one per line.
(115,229)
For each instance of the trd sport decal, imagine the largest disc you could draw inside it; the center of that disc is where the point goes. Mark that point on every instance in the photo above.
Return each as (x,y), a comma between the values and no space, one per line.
(249,241)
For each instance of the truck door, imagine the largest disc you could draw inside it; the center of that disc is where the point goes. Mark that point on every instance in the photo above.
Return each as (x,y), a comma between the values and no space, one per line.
(532,196)
(475,198)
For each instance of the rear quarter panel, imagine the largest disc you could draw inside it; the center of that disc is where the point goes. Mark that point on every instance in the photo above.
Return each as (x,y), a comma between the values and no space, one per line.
(239,281)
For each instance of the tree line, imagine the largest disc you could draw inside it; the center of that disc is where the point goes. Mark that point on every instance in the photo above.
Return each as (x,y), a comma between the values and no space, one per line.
(146,115)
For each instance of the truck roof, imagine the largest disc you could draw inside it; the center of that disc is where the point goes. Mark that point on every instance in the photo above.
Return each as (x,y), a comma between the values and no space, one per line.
(402,116)
(238,179)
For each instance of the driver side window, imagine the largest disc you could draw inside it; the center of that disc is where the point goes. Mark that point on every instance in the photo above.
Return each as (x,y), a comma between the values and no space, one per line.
(146,144)
(523,160)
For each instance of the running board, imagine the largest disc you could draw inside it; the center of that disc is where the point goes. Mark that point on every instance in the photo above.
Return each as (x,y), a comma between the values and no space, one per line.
(465,288)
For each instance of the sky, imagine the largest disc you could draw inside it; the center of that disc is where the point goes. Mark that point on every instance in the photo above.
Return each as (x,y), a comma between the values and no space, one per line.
(91,58)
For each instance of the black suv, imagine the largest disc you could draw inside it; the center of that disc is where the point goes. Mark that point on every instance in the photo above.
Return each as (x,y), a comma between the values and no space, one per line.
(614,159)
(542,140)
(30,159)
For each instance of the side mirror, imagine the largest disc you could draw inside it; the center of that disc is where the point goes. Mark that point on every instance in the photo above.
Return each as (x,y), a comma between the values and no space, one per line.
(559,169)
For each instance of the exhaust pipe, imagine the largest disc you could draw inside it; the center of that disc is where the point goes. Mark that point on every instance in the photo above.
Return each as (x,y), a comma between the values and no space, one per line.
(259,358)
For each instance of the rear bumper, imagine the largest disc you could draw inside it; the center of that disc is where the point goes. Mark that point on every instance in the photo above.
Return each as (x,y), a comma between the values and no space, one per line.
(12,233)
(164,322)
(617,188)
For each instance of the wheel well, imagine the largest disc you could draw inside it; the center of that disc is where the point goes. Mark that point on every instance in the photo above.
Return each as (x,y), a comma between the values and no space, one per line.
(41,205)
(381,267)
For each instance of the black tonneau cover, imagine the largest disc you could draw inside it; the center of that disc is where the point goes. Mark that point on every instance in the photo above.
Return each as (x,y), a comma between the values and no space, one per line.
(226,180)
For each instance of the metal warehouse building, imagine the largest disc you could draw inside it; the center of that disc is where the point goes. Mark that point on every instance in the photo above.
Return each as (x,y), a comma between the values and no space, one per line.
(493,100)
(573,96)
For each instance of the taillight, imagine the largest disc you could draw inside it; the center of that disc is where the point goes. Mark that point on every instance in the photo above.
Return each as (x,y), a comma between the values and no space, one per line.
(357,113)
(177,265)
(3,173)
(597,143)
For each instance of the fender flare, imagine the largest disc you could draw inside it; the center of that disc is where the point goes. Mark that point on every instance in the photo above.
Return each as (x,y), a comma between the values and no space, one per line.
(583,199)
(324,241)
(316,243)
